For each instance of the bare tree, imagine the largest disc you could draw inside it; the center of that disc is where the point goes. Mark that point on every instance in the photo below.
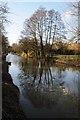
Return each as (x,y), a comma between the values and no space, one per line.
(34,27)
(3,15)
(4,10)
(59,28)
(44,26)
(40,16)
(75,8)
(51,14)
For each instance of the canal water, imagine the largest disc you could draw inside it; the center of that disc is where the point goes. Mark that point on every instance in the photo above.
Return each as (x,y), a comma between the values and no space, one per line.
(47,90)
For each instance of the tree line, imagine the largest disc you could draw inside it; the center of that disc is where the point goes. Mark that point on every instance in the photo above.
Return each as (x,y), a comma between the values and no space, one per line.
(44,34)
(28,46)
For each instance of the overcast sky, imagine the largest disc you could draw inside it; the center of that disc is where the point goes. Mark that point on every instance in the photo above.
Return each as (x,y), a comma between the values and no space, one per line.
(19,11)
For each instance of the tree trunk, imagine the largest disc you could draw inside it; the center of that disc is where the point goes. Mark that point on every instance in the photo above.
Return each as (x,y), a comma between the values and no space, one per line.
(42,47)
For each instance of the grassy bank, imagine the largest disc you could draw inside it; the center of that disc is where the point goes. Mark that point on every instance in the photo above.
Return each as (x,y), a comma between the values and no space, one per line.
(68,59)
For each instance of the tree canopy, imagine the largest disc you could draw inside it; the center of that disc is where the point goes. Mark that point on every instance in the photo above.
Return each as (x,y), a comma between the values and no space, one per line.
(45,27)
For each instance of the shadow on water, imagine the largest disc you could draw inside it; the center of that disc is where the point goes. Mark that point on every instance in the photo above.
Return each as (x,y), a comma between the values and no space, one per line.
(47,89)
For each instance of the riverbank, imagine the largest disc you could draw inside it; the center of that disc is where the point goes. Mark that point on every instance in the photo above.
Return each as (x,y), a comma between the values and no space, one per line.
(71,60)
(11,109)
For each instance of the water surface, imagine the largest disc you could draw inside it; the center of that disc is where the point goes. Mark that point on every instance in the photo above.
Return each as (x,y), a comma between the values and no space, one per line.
(47,90)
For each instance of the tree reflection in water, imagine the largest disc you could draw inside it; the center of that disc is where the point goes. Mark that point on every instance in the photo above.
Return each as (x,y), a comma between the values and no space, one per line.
(42,87)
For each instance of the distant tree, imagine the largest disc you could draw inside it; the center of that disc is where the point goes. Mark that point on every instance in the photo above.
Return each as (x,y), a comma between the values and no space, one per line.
(16,48)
